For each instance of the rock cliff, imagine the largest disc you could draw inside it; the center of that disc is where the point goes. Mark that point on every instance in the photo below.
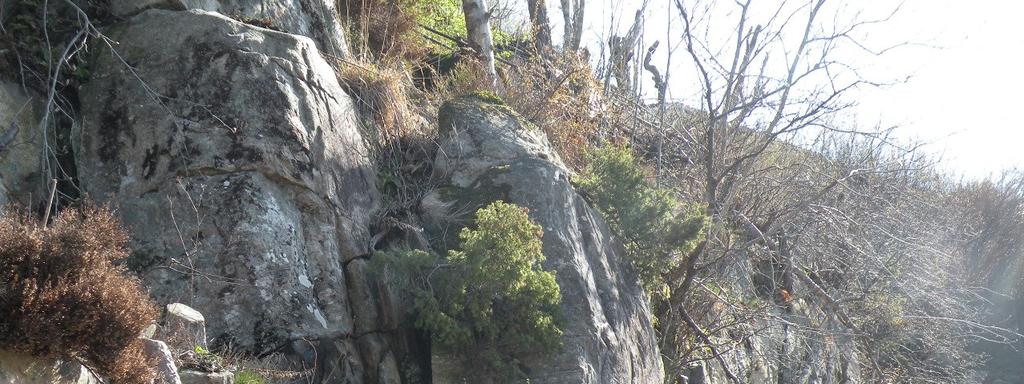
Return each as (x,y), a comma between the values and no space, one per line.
(488,153)
(220,133)
(236,160)
(233,155)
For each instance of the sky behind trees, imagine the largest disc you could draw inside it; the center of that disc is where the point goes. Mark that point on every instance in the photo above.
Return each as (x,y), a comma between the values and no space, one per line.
(964,93)
(957,82)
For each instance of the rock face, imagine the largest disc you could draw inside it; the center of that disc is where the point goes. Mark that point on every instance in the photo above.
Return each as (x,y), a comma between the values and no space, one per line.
(783,353)
(316,19)
(20,369)
(234,157)
(20,145)
(488,153)
(232,154)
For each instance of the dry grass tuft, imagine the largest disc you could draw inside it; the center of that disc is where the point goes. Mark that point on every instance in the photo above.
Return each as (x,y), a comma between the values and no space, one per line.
(560,97)
(467,77)
(383,93)
(384,29)
(401,135)
(61,295)
(271,369)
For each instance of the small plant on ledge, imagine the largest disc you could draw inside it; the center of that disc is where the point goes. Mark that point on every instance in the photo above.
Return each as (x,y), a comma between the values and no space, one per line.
(489,302)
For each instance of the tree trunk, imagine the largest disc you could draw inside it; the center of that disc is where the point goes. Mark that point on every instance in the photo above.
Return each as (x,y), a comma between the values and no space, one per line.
(572,15)
(478,29)
(540,25)
(620,53)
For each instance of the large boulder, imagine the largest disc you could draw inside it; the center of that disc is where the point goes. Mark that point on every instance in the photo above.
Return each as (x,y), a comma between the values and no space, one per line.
(489,153)
(316,19)
(21,144)
(233,156)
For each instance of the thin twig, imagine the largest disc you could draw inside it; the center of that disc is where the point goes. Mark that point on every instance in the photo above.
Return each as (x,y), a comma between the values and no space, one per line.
(49,202)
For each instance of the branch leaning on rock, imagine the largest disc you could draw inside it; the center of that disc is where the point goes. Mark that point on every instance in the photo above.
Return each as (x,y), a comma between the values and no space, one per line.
(707,342)
(155,96)
(55,103)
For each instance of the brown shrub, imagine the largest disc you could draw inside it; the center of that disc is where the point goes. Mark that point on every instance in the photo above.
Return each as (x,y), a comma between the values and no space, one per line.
(61,295)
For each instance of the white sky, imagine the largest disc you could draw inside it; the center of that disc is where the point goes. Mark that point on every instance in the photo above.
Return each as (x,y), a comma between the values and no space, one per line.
(963,96)
(966,73)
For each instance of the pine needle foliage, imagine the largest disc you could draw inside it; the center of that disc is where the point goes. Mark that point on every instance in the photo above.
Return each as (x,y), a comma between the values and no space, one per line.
(654,226)
(489,301)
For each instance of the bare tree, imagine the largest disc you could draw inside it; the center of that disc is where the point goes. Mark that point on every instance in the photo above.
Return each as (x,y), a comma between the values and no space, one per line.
(746,108)
(847,221)
(621,50)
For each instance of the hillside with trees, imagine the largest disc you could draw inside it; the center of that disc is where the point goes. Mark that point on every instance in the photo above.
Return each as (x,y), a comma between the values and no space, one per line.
(417,191)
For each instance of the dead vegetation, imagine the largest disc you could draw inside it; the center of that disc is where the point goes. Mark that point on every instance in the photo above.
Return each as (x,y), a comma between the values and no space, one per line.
(383,95)
(562,98)
(383,29)
(63,293)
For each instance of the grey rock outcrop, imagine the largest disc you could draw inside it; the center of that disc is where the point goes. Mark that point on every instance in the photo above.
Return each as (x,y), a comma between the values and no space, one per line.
(791,352)
(316,19)
(488,153)
(21,369)
(795,342)
(183,328)
(20,145)
(127,8)
(193,377)
(235,159)
(166,369)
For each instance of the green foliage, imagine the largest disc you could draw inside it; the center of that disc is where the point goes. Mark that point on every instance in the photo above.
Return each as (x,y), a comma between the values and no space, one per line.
(652,224)
(489,301)
(446,17)
(489,97)
(201,359)
(249,377)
